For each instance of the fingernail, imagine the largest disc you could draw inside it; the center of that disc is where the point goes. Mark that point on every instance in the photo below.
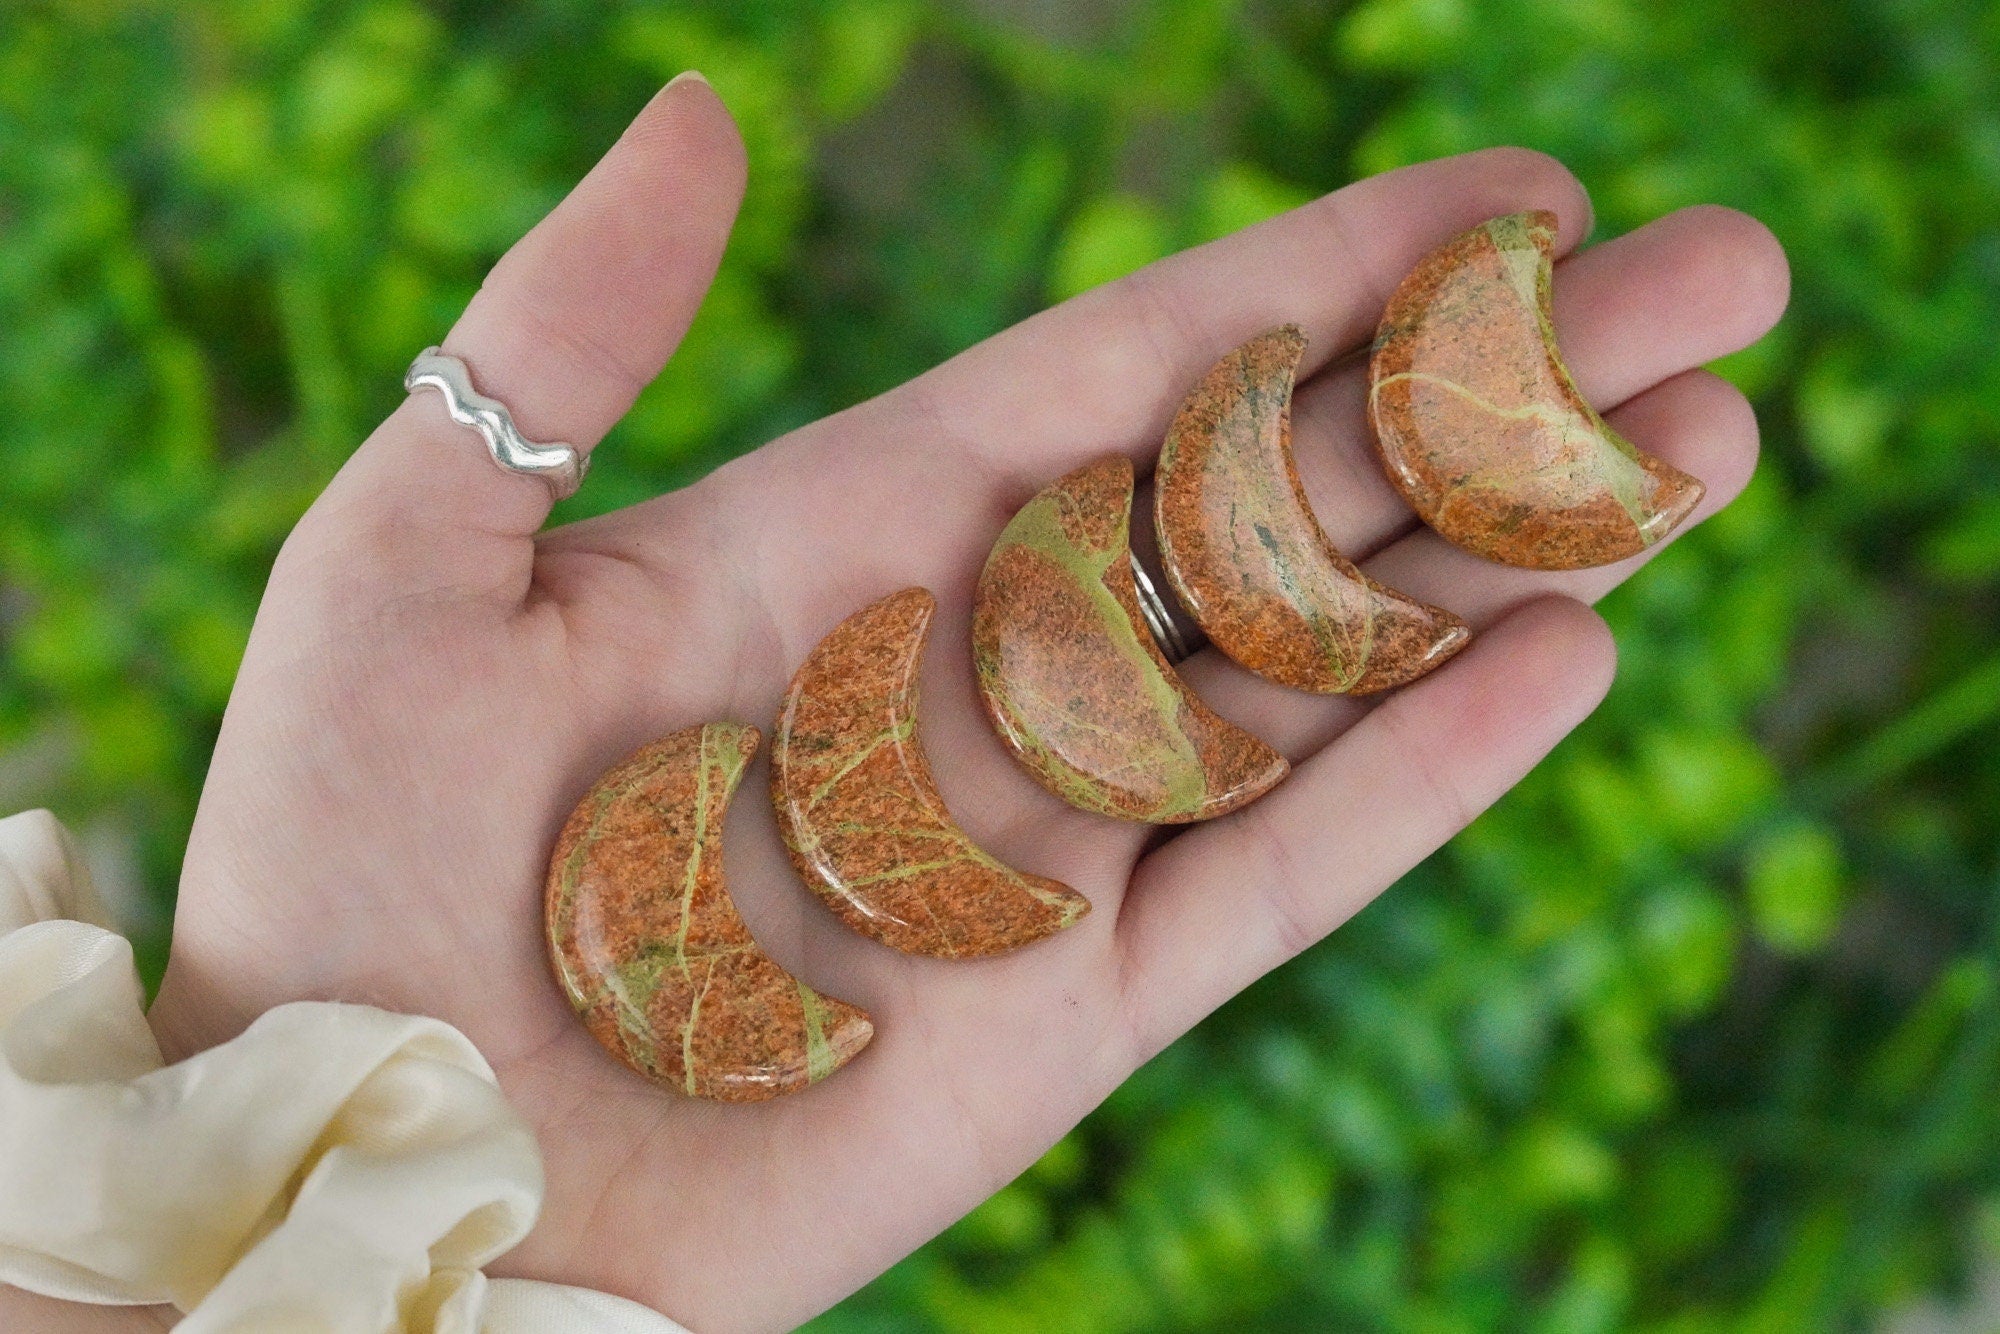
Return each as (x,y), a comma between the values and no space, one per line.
(690,76)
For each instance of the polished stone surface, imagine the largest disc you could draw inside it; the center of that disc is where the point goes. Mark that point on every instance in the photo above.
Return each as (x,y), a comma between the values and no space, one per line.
(1248,558)
(1481,428)
(1076,686)
(648,945)
(861,814)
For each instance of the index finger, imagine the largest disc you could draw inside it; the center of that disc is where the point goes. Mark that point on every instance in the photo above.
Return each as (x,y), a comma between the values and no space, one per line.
(910,487)
(1107,369)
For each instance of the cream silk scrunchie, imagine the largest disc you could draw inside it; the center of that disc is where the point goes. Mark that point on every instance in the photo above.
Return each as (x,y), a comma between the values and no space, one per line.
(334,1168)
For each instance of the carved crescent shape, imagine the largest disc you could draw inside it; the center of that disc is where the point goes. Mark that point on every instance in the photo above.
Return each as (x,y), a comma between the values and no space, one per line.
(648,945)
(1073,681)
(1250,561)
(862,817)
(1483,431)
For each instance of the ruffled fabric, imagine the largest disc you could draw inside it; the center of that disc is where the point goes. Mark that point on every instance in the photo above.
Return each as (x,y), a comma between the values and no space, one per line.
(335,1167)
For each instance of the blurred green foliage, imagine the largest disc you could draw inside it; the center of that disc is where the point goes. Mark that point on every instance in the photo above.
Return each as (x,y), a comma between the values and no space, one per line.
(1698,1030)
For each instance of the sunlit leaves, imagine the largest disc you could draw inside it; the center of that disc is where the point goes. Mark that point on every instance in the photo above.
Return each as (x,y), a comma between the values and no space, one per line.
(1108,238)
(1795,885)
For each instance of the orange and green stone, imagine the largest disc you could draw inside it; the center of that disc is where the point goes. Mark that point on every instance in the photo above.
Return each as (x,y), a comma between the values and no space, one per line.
(860,812)
(1247,556)
(1073,681)
(1483,431)
(649,947)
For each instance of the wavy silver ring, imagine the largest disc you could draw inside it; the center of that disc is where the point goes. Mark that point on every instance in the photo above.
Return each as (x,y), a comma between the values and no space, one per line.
(1166,632)
(558,465)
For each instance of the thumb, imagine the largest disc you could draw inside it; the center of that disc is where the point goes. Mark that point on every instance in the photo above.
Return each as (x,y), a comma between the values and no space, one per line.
(570,325)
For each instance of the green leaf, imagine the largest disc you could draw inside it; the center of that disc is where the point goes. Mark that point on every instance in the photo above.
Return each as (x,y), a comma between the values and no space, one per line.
(865,45)
(1965,548)
(1684,940)
(73,641)
(1012,1220)
(1403,34)
(1795,883)
(229,138)
(1553,1162)
(1108,238)
(1909,1059)
(1845,414)
(1241,195)
(1682,1198)
(1705,785)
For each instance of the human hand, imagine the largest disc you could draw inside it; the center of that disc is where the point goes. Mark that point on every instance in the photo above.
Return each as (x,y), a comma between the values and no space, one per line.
(433,682)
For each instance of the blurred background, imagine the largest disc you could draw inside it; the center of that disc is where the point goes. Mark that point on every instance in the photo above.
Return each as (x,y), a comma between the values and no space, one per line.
(1699,1030)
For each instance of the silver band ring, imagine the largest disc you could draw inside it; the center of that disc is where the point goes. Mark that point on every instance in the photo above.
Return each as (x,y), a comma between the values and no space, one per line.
(1166,633)
(558,465)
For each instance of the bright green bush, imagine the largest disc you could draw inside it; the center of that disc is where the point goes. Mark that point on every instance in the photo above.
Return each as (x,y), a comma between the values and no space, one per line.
(1699,1030)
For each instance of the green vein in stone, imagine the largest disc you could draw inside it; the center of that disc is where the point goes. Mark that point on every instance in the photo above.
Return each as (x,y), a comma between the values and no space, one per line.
(1089,787)
(903,729)
(1620,471)
(1250,477)
(799,831)
(939,833)
(944,928)
(582,993)
(1046,897)
(721,758)
(691,872)
(632,985)
(1085,790)
(820,1056)
(902,871)
(693,1019)
(1295,560)
(1038,527)
(966,850)
(804,836)
(720,762)
(1070,783)
(1514,237)
(1528,272)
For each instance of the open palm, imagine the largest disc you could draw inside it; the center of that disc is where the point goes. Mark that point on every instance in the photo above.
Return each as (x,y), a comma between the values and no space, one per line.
(433,682)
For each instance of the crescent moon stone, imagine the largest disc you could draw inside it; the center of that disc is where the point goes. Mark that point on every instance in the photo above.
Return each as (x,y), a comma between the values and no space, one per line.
(1071,677)
(862,816)
(1247,556)
(1482,429)
(648,944)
